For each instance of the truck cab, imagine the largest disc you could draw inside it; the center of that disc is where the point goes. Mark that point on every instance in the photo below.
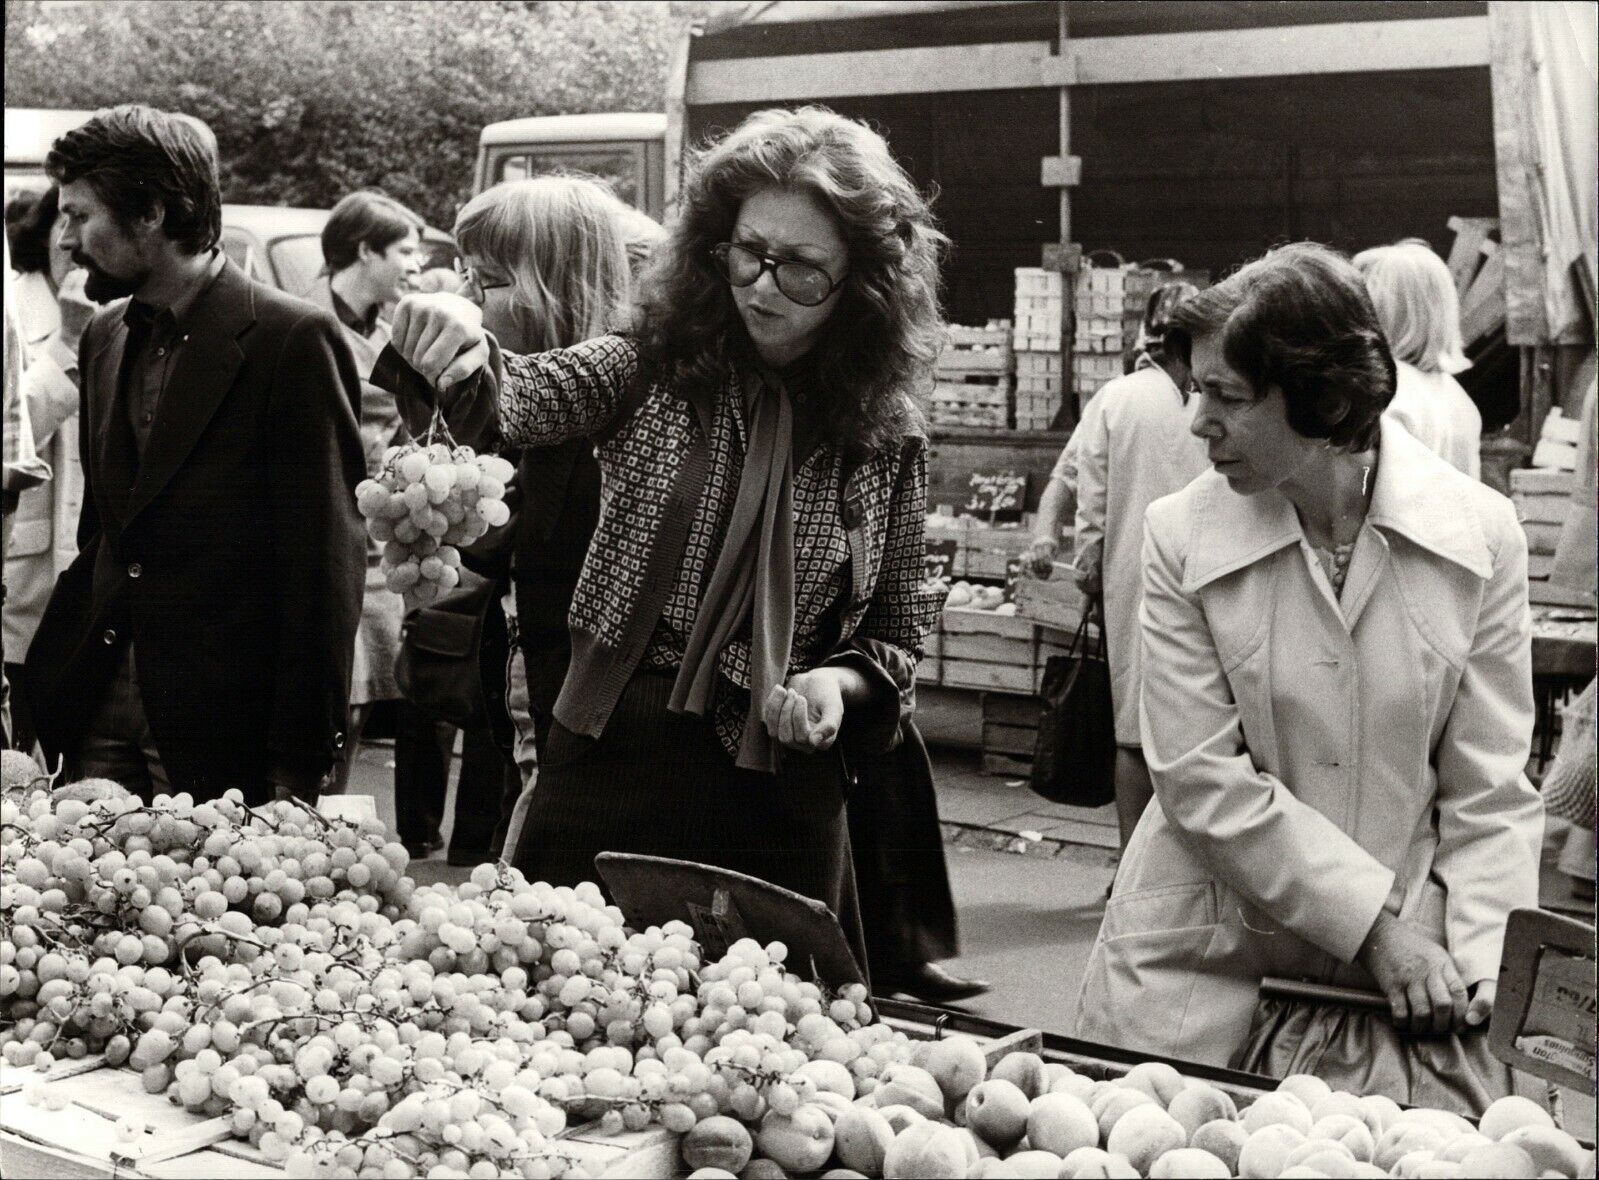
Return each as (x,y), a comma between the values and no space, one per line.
(627,151)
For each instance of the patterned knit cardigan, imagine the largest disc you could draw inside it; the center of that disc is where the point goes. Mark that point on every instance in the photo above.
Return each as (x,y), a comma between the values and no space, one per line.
(670,477)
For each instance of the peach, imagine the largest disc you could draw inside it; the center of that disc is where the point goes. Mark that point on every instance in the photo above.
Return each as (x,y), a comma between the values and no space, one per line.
(1380,1112)
(996,1111)
(1265,1153)
(762,1168)
(798,1142)
(1074,1084)
(1223,1139)
(1035,1165)
(712,1174)
(1144,1134)
(1200,1104)
(1499,1161)
(1189,1163)
(941,1152)
(718,1142)
(1506,1114)
(1306,1087)
(861,1138)
(1115,1103)
(899,1117)
(1094,1163)
(1551,1149)
(1461,1146)
(1061,1124)
(1025,1071)
(1348,1131)
(909,1086)
(1157,1079)
(1402,1139)
(831,1103)
(830,1077)
(843,1174)
(899,1159)
(957,1064)
(1282,1107)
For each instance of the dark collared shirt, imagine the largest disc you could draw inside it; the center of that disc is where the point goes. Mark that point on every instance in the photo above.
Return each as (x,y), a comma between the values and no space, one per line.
(148,368)
(364,326)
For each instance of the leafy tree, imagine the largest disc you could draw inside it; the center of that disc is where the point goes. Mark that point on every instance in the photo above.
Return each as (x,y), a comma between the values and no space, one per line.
(310,100)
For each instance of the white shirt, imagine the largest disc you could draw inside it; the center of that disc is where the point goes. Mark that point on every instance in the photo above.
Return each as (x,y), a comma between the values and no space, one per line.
(1438,412)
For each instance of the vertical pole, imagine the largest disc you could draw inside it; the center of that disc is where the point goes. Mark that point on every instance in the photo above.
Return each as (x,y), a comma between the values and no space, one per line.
(1064,10)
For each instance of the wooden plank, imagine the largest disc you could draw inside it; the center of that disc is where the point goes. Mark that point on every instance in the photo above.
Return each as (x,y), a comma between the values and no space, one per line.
(996,649)
(631,1155)
(1002,66)
(1542,537)
(1011,710)
(1465,256)
(1533,481)
(1352,47)
(1023,1040)
(1004,766)
(155,1149)
(1513,89)
(960,620)
(1482,308)
(1554,594)
(1009,739)
(1542,509)
(999,677)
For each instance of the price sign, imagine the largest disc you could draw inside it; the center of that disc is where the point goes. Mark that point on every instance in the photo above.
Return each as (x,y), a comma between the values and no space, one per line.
(939,559)
(997,495)
(1543,1017)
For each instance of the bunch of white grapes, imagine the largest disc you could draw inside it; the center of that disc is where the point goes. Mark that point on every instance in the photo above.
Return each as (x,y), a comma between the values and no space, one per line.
(428,501)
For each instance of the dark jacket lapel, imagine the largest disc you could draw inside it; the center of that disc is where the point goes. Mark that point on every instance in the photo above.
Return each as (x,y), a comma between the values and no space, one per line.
(206,365)
(115,457)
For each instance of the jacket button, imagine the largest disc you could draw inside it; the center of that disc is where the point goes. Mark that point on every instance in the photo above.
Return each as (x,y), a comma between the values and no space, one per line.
(110,636)
(338,741)
(135,570)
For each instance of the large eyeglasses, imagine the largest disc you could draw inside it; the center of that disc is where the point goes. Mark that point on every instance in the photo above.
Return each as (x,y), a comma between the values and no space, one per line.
(803,283)
(472,286)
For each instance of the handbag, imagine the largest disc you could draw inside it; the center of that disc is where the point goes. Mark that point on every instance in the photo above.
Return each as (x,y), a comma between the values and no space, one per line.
(1075,755)
(438,667)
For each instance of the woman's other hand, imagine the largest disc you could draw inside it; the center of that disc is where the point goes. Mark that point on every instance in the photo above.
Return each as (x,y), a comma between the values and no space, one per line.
(806,714)
(1424,989)
(1041,556)
(1482,1003)
(441,336)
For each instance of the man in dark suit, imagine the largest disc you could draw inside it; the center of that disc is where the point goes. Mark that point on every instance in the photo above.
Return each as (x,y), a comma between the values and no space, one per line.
(202,639)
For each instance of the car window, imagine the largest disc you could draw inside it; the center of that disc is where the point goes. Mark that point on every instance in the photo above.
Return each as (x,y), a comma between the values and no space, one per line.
(245,253)
(297,261)
(622,170)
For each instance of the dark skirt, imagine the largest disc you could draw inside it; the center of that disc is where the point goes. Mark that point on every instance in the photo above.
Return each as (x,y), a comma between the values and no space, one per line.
(662,784)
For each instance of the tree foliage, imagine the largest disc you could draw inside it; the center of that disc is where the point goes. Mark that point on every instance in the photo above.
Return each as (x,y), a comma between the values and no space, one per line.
(313,98)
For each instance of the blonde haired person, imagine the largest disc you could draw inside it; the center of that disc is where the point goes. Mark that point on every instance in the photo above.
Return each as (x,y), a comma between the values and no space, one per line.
(1414,295)
(548,260)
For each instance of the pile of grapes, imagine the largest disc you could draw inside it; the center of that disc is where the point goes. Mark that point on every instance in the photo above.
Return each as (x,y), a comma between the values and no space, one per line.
(429,500)
(279,968)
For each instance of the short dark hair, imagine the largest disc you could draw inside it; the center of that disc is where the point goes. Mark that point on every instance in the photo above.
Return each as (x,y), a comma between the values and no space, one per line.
(29,222)
(1300,319)
(366,216)
(135,157)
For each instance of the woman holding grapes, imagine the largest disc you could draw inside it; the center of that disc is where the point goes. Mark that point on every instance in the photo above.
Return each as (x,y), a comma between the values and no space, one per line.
(751,608)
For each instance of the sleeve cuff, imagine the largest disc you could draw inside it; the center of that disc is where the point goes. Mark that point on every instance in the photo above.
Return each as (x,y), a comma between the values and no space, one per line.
(1349,920)
(875,727)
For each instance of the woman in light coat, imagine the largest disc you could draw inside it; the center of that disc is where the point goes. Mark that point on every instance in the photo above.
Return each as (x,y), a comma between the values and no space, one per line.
(1336,694)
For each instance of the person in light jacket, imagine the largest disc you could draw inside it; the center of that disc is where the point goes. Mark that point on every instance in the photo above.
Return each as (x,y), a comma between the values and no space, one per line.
(53,311)
(1415,298)
(1336,694)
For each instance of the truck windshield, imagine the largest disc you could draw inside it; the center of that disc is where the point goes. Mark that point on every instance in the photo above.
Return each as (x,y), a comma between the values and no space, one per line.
(622,169)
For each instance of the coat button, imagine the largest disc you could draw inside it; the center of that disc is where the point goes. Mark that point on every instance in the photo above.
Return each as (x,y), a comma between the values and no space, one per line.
(135,570)
(338,741)
(110,636)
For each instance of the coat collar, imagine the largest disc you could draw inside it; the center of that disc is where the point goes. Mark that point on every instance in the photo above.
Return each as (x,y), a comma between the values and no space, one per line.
(1412,499)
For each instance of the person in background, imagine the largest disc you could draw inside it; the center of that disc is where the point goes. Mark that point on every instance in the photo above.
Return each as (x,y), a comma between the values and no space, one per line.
(546,259)
(53,311)
(752,608)
(1415,298)
(1134,449)
(1336,707)
(201,639)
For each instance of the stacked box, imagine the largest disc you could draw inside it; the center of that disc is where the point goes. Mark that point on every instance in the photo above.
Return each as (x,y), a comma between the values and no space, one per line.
(1040,318)
(972,381)
(1542,497)
(1101,332)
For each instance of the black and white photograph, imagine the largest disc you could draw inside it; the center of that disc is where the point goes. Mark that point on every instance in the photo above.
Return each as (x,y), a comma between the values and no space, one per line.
(742,589)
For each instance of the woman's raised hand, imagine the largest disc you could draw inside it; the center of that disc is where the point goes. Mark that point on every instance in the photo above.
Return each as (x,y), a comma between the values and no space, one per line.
(441,336)
(806,713)
(1417,975)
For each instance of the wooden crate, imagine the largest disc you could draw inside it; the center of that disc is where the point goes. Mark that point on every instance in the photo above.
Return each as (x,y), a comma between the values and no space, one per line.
(1040,364)
(1543,501)
(1035,384)
(1035,281)
(1055,602)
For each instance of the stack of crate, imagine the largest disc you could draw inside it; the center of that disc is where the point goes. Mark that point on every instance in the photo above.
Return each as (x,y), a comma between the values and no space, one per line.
(1543,499)
(1040,318)
(972,384)
(1101,331)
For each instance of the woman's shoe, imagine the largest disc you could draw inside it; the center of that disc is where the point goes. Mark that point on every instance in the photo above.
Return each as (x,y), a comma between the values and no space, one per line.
(932,984)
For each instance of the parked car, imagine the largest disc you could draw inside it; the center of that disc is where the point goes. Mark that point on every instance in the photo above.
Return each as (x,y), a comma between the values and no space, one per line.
(282,246)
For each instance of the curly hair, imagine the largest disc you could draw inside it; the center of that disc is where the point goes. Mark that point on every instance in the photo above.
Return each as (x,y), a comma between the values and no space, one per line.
(876,352)
(1300,319)
(136,157)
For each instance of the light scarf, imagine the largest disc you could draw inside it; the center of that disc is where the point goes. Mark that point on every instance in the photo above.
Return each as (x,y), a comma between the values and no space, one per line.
(753,579)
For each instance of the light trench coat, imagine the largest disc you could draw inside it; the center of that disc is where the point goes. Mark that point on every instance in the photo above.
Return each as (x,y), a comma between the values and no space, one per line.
(1136,449)
(1317,761)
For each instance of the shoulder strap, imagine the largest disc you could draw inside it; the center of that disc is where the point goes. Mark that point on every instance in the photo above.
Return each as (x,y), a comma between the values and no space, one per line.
(633,399)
